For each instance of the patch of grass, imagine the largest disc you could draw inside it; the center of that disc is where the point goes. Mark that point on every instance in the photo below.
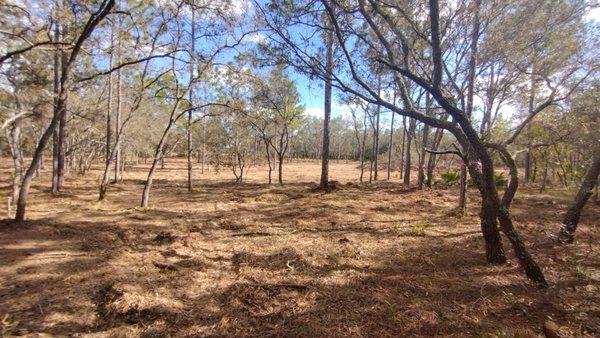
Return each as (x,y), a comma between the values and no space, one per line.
(390,310)
(335,258)
(418,228)
(450,177)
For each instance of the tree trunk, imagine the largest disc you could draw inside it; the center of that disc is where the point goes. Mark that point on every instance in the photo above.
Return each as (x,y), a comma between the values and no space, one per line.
(407,165)
(203,146)
(437,138)
(424,145)
(389,165)
(462,201)
(158,156)
(462,197)
(362,148)
(268,152)
(188,127)
(571,219)
(376,133)
(56,112)
(118,170)
(280,169)
(402,146)
(327,113)
(13,136)
(93,21)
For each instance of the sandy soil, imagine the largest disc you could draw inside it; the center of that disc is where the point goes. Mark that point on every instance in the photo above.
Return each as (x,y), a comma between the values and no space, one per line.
(257,260)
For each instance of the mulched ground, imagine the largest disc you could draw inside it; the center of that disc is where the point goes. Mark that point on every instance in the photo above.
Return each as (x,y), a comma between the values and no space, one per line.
(257,260)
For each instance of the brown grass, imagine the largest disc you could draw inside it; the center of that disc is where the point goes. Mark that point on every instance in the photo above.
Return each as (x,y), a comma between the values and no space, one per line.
(257,260)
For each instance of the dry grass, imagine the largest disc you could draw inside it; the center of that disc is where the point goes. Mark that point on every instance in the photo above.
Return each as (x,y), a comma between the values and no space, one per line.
(257,260)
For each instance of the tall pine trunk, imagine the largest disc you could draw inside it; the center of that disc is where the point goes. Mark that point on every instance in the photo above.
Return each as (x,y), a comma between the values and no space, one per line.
(327,113)
(407,161)
(188,128)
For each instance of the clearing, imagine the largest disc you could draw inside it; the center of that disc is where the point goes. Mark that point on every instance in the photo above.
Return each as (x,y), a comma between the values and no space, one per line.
(257,260)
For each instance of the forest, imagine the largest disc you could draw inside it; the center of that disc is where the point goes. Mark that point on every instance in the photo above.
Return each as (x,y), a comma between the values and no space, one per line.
(301,168)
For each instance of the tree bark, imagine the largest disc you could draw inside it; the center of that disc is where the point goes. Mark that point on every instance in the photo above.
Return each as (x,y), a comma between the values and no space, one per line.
(188,127)
(118,166)
(327,113)
(158,156)
(56,112)
(437,138)
(362,148)
(376,134)
(424,145)
(407,162)
(571,219)
(13,136)
(390,147)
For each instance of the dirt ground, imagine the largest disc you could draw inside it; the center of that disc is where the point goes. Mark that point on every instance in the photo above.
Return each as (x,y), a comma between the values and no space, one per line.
(257,260)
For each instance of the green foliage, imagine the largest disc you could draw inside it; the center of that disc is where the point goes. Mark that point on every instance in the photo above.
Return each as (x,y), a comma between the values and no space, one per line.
(500,181)
(418,228)
(451,177)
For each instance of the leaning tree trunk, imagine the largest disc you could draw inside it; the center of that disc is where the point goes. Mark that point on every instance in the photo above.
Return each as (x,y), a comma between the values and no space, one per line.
(13,136)
(571,219)
(158,156)
(491,207)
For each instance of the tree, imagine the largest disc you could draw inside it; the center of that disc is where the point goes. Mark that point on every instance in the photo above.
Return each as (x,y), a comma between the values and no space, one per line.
(92,22)
(329,45)
(279,102)
(381,27)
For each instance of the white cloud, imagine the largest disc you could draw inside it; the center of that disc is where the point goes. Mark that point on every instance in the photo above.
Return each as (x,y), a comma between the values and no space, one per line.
(593,15)
(314,111)
(255,38)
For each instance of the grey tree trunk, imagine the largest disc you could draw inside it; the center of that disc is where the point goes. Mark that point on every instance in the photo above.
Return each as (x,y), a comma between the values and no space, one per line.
(571,219)
(462,200)
(402,146)
(327,114)
(437,138)
(56,112)
(362,148)
(424,146)
(13,136)
(118,166)
(188,128)
(407,161)
(158,157)
(390,147)
(376,133)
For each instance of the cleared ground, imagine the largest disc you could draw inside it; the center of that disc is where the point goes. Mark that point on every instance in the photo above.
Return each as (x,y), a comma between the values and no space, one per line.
(257,260)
